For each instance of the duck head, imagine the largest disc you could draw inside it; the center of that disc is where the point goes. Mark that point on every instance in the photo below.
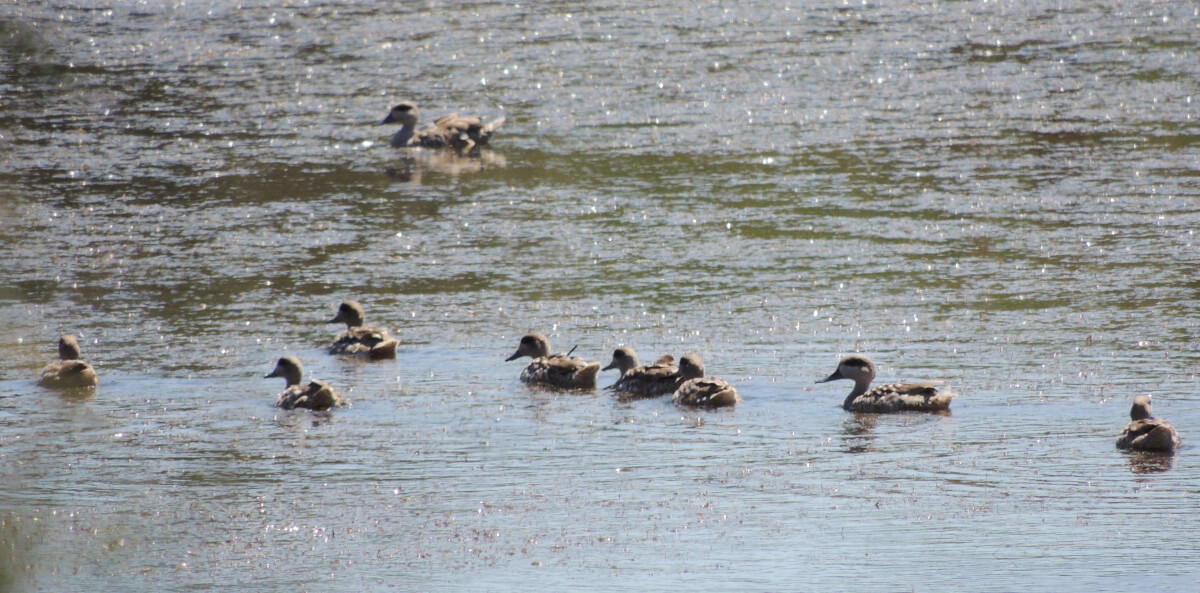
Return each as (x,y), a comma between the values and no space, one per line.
(350,313)
(1141,409)
(404,113)
(68,348)
(857,368)
(532,345)
(691,367)
(289,368)
(623,359)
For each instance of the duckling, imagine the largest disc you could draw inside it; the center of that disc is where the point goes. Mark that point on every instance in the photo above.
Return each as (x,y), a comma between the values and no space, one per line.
(358,339)
(459,133)
(700,391)
(1147,433)
(650,380)
(317,395)
(69,371)
(554,370)
(893,397)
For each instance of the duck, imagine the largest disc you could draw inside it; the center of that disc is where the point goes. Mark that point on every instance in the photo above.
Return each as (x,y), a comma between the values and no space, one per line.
(554,370)
(1147,433)
(698,391)
(449,131)
(317,395)
(893,397)
(650,380)
(359,339)
(69,371)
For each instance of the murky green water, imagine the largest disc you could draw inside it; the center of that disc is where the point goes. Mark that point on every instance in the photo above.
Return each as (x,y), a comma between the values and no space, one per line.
(1001,195)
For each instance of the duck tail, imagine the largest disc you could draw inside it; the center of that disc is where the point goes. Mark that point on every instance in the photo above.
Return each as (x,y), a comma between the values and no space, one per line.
(588,373)
(385,350)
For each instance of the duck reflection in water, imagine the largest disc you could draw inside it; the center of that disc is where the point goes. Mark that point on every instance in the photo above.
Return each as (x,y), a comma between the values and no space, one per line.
(412,166)
(858,432)
(1150,462)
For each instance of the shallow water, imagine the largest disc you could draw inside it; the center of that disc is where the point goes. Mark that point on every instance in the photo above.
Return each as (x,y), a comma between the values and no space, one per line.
(998,195)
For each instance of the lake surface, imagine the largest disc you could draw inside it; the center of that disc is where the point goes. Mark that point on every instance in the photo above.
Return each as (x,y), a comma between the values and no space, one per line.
(1001,195)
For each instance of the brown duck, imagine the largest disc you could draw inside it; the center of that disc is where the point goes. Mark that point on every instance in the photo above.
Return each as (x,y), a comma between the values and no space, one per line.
(893,397)
(554,370)
(1147,433)
(699,391)
(360,339)
(650,380)
(449,131)
(69,371)
(317,395)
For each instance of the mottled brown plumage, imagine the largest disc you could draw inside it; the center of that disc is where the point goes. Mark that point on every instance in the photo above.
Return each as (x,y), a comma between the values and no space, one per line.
(650,380)
(1147,433)
(69,372)
(317,395)
(554,370)
(449,131)
(893,397)
(360,339)
(699,391)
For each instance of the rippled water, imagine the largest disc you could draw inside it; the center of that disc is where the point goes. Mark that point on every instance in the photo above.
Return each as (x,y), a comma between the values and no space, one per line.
(998,194)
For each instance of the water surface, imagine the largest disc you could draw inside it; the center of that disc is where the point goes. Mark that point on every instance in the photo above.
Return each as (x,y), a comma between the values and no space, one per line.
(1000,195)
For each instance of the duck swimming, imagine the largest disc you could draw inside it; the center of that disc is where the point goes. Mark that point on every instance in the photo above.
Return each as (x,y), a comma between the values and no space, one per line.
(317,395)
(651,380)
(893,397)
(359,339)
(449,131)
(1147,433)
(69,371)
(554,370)
(699,391)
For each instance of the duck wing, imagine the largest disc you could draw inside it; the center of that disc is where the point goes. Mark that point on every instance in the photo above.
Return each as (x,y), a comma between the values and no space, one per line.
(67,374)
(365,340)
(317,395)
(560,370)
(896,397)
(706,392)
(649,380)
(1149,434)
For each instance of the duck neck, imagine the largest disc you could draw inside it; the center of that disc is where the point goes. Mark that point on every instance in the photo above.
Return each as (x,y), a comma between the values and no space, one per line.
(401,139)
(293,376)
(860,387)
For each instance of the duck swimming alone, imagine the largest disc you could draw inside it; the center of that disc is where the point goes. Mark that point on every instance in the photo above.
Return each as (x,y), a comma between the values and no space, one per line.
(359,339)
(69,371)
(699,391)
(893,397)
(554,370)
(651,380)
(1147,433)
(317,395)
(449,131)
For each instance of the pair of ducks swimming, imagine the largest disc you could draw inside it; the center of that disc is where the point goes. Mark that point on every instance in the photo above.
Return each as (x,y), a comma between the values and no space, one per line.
(359,340)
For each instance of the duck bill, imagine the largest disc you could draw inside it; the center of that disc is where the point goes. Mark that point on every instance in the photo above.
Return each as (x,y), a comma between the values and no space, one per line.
(387,120)
(611,365)
(834,377)
(515,356)
(274,373)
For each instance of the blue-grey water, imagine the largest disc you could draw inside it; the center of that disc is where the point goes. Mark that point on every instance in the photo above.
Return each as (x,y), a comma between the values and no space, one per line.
(1004,195)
